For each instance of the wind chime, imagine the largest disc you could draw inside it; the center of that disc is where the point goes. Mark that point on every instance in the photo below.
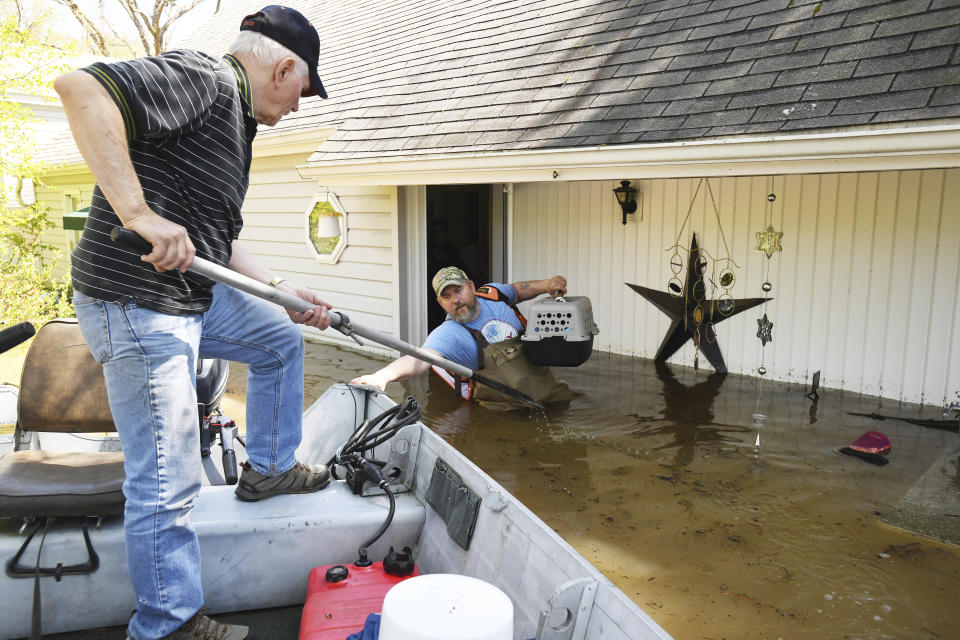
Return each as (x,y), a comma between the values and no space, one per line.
(692,314)
(722,273)
(768,243)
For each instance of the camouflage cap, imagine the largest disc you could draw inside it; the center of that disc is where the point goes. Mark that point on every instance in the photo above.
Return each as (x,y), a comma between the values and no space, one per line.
(448,275)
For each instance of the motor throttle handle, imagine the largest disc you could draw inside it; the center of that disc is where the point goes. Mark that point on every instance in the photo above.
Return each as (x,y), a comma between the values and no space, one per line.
(230,466)
(228,433)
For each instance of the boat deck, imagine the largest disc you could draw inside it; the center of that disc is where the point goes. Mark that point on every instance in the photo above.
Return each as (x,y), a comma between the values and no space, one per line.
(290,534)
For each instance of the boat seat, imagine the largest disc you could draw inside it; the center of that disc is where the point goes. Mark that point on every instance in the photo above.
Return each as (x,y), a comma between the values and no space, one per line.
(61,390)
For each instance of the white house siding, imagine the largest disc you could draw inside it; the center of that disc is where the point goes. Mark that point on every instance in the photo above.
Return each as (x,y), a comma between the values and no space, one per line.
(865,290)
(361,283)
(63,194)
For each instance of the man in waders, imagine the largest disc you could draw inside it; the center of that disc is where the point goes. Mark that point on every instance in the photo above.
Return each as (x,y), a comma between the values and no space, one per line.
(482,332)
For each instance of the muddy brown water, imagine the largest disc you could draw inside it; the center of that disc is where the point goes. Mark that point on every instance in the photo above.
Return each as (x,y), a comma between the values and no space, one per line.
(717,528)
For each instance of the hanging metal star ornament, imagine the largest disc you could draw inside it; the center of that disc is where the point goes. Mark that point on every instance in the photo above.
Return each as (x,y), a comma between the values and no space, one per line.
(692,314)
(769,241)
(765,330)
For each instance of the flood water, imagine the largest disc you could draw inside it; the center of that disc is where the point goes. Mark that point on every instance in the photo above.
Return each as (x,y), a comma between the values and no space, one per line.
(715,527)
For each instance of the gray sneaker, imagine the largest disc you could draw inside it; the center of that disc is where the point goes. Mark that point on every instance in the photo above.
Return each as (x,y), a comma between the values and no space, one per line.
(200,627)
(300,478)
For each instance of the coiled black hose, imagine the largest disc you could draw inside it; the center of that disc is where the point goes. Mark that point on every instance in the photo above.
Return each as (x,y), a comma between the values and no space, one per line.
(366,437)
(378,430)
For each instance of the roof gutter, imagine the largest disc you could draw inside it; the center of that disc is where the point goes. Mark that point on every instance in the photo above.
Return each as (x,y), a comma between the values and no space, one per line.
(302,142)
(291,142)
(919,147)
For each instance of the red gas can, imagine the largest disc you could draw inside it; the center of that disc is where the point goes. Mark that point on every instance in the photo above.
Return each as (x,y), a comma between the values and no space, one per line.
(340,597)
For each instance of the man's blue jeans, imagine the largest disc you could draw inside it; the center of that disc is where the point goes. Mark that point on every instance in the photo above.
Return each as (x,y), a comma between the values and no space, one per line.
(149,362)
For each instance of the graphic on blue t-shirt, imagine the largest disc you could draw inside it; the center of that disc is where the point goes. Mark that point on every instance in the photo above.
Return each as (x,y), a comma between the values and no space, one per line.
(496,330)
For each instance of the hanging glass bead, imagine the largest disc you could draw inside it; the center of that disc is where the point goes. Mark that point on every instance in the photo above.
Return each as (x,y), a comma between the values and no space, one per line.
(711,334)
(676,263)
(725,304)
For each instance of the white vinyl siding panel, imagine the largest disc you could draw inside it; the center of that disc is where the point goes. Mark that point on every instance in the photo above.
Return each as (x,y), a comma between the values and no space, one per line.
(865,289)
(52,194)
(361,284)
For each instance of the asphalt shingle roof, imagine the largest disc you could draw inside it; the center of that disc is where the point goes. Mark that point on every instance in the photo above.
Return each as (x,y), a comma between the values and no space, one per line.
(434,76)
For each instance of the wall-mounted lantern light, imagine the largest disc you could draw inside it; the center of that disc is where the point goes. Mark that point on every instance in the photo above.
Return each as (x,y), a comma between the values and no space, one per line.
(627,198)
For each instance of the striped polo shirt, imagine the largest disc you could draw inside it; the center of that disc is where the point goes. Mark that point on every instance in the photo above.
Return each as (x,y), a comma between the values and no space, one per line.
(190,126)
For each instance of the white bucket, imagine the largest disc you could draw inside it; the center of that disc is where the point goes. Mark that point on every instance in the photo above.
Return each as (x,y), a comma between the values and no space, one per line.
(441,606)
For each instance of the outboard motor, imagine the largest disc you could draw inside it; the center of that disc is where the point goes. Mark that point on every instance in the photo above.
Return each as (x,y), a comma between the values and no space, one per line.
(215,427)
(212,377)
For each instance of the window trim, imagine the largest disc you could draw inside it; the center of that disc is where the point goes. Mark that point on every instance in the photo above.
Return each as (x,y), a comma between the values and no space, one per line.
(334,256)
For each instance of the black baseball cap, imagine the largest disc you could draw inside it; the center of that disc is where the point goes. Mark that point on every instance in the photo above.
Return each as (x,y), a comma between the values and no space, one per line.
(290,28)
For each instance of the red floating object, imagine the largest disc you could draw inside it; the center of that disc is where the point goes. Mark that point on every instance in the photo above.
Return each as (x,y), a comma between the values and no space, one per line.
(340,597)
(872,442)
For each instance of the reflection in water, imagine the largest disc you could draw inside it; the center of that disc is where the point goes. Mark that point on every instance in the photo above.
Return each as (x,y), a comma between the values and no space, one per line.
(814,405)
(930,423)
(722,544)
(687,416)
(649,474)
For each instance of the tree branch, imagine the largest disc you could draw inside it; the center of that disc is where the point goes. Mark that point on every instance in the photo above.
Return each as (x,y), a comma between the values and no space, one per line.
(135,15)
(89,27)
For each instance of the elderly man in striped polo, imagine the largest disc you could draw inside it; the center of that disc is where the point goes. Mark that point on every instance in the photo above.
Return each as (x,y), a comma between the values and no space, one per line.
(168,139)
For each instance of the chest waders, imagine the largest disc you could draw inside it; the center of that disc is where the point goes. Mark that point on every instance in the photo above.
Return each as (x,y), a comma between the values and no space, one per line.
(505,362)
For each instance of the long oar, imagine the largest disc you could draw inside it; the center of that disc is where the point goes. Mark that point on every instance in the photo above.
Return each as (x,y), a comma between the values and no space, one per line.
(133,242)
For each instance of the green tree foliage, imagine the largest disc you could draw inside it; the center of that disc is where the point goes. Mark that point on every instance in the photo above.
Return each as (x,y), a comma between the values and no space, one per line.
(27,67)
(30,292)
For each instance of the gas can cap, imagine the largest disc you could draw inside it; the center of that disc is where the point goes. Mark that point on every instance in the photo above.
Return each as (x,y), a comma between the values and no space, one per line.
(336,573)
(399,563)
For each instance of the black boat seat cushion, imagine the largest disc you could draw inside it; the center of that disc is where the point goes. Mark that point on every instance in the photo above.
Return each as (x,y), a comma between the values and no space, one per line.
(61,390)
(43,483)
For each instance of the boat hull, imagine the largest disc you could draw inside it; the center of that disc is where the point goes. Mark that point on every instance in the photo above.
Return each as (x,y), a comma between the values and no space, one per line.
(259,555)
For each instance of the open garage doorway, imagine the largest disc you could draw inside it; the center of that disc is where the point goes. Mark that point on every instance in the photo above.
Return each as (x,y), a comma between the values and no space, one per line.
(465,228)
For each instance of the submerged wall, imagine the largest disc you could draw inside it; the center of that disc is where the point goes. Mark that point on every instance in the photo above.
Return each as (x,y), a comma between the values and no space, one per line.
(865,289)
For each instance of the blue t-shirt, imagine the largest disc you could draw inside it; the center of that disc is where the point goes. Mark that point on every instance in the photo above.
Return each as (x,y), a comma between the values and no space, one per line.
(497,321)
